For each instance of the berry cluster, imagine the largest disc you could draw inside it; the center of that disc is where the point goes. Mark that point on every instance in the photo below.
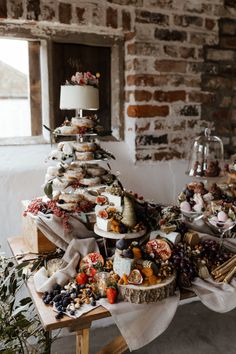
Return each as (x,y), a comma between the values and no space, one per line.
(211,252)
(70,298)
(184,263)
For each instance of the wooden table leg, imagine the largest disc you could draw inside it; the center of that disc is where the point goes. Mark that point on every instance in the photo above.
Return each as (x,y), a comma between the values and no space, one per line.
(117,346)
(82,341)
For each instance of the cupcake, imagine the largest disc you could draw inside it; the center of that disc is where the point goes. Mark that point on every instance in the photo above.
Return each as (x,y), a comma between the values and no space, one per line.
(92,181)
(75,174)
(85,146)
(84,156)
(82,122)
(66,130)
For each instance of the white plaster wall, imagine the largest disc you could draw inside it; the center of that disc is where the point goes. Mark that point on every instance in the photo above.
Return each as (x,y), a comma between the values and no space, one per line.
(22,171)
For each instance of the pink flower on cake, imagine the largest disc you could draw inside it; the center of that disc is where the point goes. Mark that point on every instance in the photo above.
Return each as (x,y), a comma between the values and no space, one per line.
(85,78)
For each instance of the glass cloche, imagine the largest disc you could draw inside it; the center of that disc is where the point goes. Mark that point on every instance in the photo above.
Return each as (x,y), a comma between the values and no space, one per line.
(207,156)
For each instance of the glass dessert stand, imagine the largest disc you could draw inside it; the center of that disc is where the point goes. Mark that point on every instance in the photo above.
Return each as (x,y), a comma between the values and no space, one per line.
(117,236)
(220,228)
(191,216)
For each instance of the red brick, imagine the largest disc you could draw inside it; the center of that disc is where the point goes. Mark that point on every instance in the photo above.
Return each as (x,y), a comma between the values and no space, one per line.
(168,35)
(150,140)
(192,81)
(16,9)
(218,83)
(226,101)
(217,54)
(48,13)
(228,27)
(126,20)
(177,126)
(143,156)
(147,111)
(210,24)
(186,52)
(3,9)
(144,49)
(160,124)
(33,9)
(177,140)
(188,21)
(228,42)
(199,53)
(142,95)
(146,80)
(111,17)
(191,123)
(198,38)
(143,16)
(143,129)
(167,154)
(202,97)
(64,13)
(197,7)
(128,36)
(230,3)
(171,51)
(80,14)
(131,49)
(169,96)
(127,2)
(170,66)
(162,4)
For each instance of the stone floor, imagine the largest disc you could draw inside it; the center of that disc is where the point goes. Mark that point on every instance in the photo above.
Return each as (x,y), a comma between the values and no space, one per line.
(194,330)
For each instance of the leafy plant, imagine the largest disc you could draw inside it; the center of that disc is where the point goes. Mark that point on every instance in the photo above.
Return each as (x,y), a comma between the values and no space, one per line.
(20,329)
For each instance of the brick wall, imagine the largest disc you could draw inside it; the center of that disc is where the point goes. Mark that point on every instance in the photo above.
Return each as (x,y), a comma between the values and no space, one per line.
(179,60)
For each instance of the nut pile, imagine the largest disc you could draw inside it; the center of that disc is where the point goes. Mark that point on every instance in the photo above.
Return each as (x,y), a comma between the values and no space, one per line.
(69,299)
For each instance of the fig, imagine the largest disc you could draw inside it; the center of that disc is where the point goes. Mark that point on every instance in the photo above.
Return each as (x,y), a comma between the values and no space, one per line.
(128,253)
(122,244)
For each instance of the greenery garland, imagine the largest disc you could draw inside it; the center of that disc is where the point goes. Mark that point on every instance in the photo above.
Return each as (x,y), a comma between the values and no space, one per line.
(21,331)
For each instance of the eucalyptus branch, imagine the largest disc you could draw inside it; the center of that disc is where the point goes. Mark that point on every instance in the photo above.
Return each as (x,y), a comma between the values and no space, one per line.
(18,322)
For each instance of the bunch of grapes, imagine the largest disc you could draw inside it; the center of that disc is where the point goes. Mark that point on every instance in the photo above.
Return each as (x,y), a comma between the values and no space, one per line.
(212,253)
(183,261)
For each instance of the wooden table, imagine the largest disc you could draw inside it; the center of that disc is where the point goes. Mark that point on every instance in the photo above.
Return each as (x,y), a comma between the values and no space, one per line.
(81,325)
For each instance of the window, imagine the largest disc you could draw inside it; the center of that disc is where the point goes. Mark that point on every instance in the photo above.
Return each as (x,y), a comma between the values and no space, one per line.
(31,98)
(20,94)
(69,58)
(89,52)
(14,92)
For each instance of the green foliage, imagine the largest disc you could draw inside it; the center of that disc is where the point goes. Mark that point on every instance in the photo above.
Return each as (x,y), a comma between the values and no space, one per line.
(20,329)
(48,190)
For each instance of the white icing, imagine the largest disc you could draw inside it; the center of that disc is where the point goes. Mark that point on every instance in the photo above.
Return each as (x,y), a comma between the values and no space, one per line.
(115,200)
(103,224)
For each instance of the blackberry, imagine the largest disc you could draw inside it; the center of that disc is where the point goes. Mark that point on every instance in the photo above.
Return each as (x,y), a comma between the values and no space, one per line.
(59,315)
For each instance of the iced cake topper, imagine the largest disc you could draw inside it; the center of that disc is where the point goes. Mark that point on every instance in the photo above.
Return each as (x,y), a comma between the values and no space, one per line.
(85,78)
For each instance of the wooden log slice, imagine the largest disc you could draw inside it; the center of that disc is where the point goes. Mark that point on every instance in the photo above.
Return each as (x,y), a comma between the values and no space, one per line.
(138,294)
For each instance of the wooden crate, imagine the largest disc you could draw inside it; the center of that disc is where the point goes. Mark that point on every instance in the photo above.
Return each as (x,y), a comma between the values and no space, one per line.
(34,238)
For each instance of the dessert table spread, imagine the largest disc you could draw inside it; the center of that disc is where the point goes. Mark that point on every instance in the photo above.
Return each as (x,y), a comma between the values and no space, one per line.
(80,325)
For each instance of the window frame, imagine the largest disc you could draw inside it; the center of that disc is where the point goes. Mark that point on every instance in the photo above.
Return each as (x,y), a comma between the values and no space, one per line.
(41,79)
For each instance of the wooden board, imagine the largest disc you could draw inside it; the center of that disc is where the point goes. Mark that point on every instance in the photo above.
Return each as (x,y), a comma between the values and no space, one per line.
(138,294)
(37,242)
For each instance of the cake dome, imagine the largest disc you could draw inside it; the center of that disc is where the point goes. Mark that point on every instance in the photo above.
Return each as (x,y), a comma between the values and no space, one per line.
(206,156)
